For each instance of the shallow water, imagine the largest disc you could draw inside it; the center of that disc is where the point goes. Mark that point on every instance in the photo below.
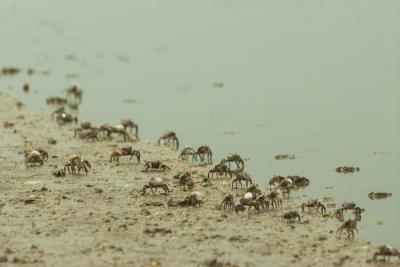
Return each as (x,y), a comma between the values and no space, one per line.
(316,79)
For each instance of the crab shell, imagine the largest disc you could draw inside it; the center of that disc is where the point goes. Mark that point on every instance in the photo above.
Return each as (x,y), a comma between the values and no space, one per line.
(34,153)
(156,181)
(248,195)
(73,156)
(119,128)
(196,195)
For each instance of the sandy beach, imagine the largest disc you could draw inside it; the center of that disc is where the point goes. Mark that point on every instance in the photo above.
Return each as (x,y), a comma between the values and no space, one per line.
(102,218)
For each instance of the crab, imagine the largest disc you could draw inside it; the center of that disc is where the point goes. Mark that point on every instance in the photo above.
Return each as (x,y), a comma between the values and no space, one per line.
(254,190)
(203,151)
(155,183)
(299,180)
(193,199)
(240,207)
(286,186)
(347,169)
(186,153)
(186,180)
(242,176)
(275,198)
(64,118)
(108,130)
(85,126)
(236,159)
(128,123)
(155,165)
(220,169)
(349,226)
(386,251)
(125,151)
(76,164)
(228,202)
(284,156)
(57,112)
(349,206)
(379,195)
(358,213)
(169,137)
(314,203)
(90,135)
(264,203)
(43,153)
(244,201)
(59,173)
(33,157)
(275,181)
(58,101)
(291,216)
(74,92)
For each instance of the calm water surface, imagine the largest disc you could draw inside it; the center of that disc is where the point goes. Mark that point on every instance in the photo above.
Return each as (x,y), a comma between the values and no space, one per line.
(319,79)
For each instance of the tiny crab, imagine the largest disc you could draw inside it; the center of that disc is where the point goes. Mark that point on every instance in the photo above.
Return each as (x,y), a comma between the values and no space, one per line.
(347,169)
(314,203)
(264,203)
(242,176)
(64,118)
(193,199)
(59,173)
(254,190)
(228,202)
(349,226)
(275,181)
(275,198)
(32,158)
(236,159)
(379,195)
(240,207)
(204,151)
(284,156)
(220,169)
(43,153)
(85,126)
(299,181)
(286,186)
(168,138)
(349,206)
(250,203)
(291,216)
(76,164)
(154,184)
(90,135)
(128,123)
(125,151)
(186,153)
(386,251)
(155,165)
(107,131)
(186,180)
(74,93)
(57,101)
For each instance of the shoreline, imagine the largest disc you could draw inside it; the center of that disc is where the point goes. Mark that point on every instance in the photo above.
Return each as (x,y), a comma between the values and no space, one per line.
(103,219)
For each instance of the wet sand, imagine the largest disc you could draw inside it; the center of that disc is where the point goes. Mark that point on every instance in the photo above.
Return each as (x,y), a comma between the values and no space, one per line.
(102,219)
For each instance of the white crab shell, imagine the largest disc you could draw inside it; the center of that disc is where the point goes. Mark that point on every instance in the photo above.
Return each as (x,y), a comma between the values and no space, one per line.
(156,180)
(248,195)
(34,153)
(119,128)
(196,195)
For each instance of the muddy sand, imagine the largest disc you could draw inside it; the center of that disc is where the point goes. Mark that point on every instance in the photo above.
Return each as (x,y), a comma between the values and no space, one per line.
(102,219)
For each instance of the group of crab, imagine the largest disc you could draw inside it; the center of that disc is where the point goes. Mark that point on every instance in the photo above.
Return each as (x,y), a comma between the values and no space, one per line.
(253,197)
(87,131)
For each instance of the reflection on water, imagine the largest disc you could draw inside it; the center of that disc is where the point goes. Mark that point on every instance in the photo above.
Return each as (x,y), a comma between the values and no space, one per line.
(318,80)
